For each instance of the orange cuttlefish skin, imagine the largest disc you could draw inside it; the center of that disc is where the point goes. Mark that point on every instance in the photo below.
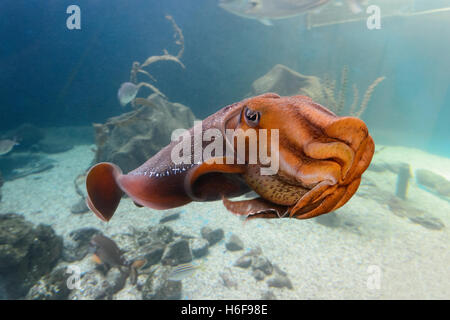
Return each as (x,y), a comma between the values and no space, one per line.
(321,159)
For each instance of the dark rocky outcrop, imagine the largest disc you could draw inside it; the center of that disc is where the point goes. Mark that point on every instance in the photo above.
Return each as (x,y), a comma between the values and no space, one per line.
(27,252)
(133,137)
(51,287)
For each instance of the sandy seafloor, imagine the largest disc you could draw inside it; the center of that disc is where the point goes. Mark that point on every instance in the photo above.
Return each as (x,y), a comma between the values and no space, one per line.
(321,262)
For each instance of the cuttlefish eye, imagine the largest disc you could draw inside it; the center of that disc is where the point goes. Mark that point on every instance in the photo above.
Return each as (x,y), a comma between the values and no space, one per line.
(252,117)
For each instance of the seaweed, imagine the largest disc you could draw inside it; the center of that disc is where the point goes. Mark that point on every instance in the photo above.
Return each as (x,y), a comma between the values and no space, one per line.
(335,99)
(138,68)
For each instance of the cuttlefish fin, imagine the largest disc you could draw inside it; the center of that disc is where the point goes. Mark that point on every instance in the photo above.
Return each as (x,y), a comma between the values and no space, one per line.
(256,208)
(104,193)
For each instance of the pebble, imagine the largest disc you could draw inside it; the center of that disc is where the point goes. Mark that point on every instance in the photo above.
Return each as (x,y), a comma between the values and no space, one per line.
(169,217)
(79,207)
(213,236)
(153,254)
(263,264)
(279,281)
(243,262)
(176,253)
(199,247)
(268,295)
(258,275)
(234,243)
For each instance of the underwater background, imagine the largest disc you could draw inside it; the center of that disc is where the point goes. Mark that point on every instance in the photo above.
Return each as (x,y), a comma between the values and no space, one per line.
(55,83)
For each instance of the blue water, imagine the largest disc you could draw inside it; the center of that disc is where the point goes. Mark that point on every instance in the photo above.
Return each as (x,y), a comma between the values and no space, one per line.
(55,76)
(51,76)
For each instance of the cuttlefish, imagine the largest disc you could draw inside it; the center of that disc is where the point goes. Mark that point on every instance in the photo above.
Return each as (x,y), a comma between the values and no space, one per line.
(320,155)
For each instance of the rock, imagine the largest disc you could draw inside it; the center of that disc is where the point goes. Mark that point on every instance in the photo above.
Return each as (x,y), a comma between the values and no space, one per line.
(158,287)
(116,280)
(428,222)
(199,247)
(227,278)
(279,271)
(433,181)
(153,254)
(93,286)
(404,209)
(176,253)
(263,264)
(159,234)
(279,281)
(130,139)
(234,243)
(243,262)
(287,82)
(213,236)
(162,234)
(26,253)
(54,146)
(27,135)
(169,217)
(79,207)
(268,295)
(51,287)
(19,165)
(258,275)
(76,245)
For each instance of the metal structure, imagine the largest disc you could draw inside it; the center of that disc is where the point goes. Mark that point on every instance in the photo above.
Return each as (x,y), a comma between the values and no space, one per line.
(332,14)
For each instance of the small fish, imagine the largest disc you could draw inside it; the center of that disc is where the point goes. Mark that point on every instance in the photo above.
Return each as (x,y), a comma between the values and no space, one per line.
(7,145)
(106,252)
(127,92)
(266,10)
(182,271)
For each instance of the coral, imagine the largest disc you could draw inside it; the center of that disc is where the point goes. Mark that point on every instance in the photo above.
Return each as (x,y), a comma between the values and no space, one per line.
(138,67)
